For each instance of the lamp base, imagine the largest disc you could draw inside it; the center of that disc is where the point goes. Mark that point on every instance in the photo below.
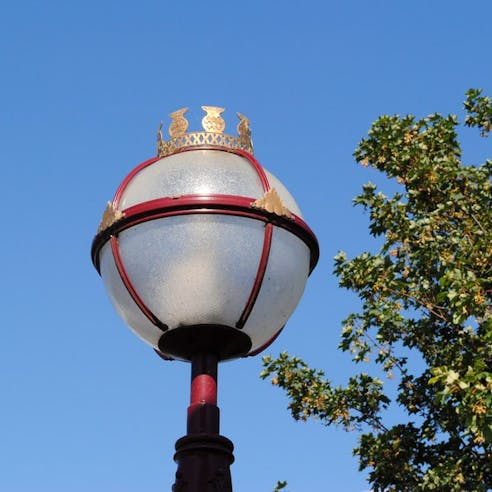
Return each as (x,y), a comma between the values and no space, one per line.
(203,463)
(225,342)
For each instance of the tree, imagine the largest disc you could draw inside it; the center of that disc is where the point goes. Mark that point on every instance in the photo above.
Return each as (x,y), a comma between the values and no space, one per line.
(426,296)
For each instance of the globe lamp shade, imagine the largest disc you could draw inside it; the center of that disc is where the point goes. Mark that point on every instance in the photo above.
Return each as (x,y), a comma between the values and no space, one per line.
(204,250)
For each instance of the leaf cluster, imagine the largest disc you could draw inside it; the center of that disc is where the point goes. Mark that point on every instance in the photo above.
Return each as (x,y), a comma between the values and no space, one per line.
(479,110)
(281,484)
(427,292)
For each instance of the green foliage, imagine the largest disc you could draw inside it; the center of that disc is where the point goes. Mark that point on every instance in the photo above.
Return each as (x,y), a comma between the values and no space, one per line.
(427,291)
(479,110)
(280,486)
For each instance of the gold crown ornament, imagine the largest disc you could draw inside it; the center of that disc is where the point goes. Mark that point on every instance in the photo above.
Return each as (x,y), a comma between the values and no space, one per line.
(213,125)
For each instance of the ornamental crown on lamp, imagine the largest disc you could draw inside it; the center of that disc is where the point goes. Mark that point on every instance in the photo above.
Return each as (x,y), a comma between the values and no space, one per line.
(213,125)
(202,249)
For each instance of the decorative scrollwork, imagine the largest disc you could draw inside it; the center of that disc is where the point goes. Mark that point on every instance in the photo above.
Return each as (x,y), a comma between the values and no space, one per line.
(271,202)
(244,131)
(110,216)
(212,122)
(179,123)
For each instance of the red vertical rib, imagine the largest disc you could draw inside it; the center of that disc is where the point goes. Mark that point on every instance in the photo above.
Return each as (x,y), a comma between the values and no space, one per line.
(129,177)
(129,286)
(257,166)
(267,243)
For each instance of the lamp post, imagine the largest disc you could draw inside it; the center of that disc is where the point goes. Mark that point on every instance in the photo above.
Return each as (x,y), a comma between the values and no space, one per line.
(205,255)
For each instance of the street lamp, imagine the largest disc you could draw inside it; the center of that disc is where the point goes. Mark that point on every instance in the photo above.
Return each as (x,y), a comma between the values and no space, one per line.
(204,254)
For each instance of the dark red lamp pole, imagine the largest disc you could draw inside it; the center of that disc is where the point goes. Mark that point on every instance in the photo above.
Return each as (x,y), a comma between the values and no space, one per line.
(205,255)
(203,456)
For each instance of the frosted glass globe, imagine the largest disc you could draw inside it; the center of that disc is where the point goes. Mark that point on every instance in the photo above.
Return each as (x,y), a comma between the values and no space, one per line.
(218,262)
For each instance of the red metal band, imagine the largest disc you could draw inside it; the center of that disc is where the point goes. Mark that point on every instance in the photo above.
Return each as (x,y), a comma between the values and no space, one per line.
(265,254)
(222,203)
(209,204)
(129,286)
(189,202)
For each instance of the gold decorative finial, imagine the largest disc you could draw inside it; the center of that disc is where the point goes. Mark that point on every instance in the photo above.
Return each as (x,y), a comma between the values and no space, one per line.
(179,123)
(244,131)
(160,139)
(110,216)
(212,122)
(213,135)
(271,202)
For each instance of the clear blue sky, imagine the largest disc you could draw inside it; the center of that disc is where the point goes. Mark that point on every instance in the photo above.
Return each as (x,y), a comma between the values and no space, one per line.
(85,405)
